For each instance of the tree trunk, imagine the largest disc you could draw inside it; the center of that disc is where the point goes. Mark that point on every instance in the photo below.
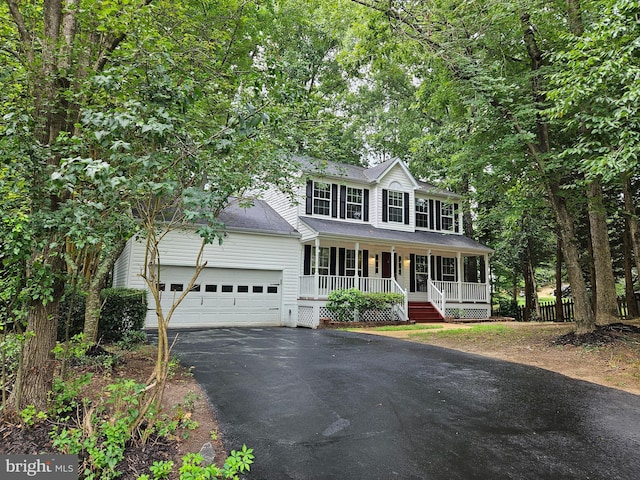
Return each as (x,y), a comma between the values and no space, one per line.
(559,303)
(34,379)
(93,302)
(528,289)
(584,318)
(632,305)
(634,224)
(604,286)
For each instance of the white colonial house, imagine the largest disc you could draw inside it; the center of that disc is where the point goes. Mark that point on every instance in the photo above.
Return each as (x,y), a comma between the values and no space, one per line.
(376,229)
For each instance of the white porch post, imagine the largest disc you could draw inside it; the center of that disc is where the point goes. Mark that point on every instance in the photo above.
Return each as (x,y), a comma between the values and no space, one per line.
(357,275)
(459,267)
(316,273)
(393,262)
(487,282)
(428,275)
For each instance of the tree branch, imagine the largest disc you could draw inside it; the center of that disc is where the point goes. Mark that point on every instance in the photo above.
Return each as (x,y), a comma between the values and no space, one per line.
(25,36)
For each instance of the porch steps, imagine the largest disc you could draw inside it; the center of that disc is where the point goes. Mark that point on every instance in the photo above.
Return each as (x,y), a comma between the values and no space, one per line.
(424,312)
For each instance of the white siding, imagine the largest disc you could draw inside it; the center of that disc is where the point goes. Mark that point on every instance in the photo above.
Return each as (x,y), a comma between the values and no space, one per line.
(397,175)
(282,204)
(238,251)
(121,269)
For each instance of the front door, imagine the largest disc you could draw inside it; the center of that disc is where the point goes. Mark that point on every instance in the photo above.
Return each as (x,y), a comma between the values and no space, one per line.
(386,264)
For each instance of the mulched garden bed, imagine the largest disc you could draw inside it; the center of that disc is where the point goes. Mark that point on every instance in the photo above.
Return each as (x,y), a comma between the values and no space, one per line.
(599,337)
(16,439)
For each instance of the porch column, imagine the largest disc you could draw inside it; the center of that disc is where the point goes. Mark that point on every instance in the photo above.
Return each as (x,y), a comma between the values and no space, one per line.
(428,275)
(316,273)
(393,262)
(487,282)
(459,267)
(356,280)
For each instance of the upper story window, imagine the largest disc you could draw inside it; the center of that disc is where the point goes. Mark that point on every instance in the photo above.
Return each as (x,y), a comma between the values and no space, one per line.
(447,215)
(396,207)
(354,203)
(321,198)
(422,213)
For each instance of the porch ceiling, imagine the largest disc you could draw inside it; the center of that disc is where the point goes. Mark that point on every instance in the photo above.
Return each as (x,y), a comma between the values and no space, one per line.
(364,232)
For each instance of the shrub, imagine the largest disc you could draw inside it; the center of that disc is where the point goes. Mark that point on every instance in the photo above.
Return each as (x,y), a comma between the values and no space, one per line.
(344,303)
(124,309)
(74,301)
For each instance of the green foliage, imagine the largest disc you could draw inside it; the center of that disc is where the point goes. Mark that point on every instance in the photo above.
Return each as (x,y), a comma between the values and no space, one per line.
(124,310)
(346,304)
(72,309)
(105,430)
(30,416)
(132,340)
(161,470)
(123,314)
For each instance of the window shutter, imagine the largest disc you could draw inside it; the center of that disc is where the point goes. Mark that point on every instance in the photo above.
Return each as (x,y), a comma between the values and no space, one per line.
(439,267)
(432,216)
(385,205)
(343,201)
(332,261)
(365,207)
(309,205)
(406,208)
(307,260)
(438,215)
(456,223)
(412,272)
(365,262)
(341,261)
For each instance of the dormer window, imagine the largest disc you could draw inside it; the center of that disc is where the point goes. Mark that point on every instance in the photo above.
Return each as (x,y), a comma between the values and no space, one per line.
(396,207)
(354,203)
(422,213)
(321,198)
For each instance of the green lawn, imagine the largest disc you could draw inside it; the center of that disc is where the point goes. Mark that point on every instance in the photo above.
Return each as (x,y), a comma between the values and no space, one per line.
(417,326)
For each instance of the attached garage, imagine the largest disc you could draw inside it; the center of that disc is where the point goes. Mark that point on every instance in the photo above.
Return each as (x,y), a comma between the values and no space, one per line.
(223,297)
(251,279)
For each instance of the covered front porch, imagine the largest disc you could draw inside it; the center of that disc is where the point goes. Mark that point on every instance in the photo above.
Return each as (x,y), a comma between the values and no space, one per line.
(451,283)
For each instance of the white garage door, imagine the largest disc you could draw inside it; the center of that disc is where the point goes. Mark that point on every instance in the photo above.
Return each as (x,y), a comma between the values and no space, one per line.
(222,297)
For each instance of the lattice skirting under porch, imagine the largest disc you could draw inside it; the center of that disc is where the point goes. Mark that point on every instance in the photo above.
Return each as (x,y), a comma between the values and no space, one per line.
(309,315)
(471,313)
(305,317)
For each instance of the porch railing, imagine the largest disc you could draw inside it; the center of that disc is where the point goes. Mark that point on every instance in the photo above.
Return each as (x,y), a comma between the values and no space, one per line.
(328,283)
(438,298)
(449,291)
(463,291)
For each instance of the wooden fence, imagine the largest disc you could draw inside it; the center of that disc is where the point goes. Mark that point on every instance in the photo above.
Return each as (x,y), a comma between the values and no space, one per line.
(548,310)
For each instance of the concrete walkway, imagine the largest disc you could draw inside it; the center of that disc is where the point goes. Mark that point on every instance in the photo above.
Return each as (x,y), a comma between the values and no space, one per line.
(319,404)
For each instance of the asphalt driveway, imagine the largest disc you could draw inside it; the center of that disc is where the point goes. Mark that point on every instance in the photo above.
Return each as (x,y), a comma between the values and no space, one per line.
(320,404)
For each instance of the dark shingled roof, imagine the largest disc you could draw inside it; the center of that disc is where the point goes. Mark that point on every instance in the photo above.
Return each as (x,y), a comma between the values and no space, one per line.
(371,234)
(258,217)
(362,174)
